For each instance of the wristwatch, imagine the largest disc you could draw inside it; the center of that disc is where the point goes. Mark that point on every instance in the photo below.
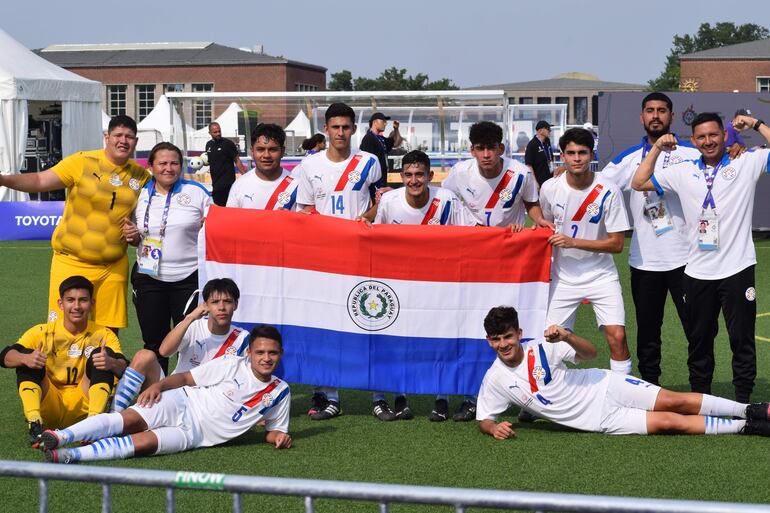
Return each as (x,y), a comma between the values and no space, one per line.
(758,124)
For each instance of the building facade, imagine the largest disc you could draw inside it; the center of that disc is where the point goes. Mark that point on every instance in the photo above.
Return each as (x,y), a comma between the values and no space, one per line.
(741,68)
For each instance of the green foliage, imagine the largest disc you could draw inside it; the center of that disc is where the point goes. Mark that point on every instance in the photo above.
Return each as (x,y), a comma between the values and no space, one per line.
(391,79)
(707,37)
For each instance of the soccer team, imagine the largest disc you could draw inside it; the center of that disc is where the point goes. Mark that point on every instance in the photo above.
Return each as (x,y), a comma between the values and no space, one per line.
(223,383)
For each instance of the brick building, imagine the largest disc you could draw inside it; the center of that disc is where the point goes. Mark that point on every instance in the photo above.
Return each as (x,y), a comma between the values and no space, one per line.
(743,68)
(136,75)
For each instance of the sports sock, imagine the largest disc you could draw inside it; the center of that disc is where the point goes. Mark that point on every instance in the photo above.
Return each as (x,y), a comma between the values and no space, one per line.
(92,428)
(128,388)
(470,399)
(442,396)
(720,407)
(98,394)
(622,366)
(378,396)
(332,394)
(720,426)
(117,447)
(31,394)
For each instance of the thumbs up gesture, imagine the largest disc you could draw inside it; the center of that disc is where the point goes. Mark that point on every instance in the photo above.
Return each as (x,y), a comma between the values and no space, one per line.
(102,361)
(36,359)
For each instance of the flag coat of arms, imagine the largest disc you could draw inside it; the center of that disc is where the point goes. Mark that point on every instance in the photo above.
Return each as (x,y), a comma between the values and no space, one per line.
(390,307)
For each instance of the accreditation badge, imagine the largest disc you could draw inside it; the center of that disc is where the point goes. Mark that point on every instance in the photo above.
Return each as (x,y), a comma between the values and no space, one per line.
(148,261)
(708,230)
(657,212)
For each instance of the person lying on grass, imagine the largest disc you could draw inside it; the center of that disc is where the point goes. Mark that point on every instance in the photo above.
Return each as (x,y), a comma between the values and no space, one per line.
(531,374)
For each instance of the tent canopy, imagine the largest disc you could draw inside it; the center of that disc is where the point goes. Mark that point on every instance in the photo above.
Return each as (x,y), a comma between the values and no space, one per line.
(160,126)
(300,125)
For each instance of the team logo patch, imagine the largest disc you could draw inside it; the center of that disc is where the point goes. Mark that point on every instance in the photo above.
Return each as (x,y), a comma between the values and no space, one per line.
(183,199)
(134,184)
(675,159)
(751,293)
(354,176)
(729,173)
(74,351)
(283,198)
(88,351)
(592,209)
(538,373)
(115,180)
(267,400)
(506,194)
(433,220)
(52,316)
(231,351)
(373,305)
(689,115)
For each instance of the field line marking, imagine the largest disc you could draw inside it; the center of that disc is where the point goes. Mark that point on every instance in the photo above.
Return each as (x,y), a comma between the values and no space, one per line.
(24,247)
(763,339)
(763,314)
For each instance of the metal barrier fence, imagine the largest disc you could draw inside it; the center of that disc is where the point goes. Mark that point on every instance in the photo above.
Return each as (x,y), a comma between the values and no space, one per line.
(382,494)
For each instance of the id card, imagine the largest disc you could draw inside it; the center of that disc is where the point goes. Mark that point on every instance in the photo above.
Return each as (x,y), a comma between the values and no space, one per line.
(148,261)
(657,212)
(708,230)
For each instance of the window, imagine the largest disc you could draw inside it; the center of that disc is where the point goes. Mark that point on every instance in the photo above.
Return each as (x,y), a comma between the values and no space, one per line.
(763,84)
(173,88)
(562,100)
(525,100)
(580,110)
(202,108)
(543,100)
(305,87)
(116,99)
(145,100)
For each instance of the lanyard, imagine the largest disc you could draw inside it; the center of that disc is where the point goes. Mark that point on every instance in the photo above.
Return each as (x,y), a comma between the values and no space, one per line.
(548,151)
(708,201)
(164,219)
(666,159)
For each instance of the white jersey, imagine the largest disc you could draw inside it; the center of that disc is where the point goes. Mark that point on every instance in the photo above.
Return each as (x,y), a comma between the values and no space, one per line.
(733,191)
(199,345)
(544,386)
(339,189)
(649,251)
(589,214)
(187,209)
(228,400)
(251,191)
(442,207)
(497,201)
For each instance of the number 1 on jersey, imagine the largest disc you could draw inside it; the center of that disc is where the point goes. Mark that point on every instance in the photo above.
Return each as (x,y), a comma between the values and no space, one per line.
(338,205)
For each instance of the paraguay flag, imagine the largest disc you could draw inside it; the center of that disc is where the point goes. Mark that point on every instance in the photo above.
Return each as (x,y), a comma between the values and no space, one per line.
(389,307)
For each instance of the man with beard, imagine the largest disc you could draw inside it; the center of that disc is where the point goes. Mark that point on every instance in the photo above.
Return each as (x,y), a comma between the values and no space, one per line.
(223,158)
(659,245)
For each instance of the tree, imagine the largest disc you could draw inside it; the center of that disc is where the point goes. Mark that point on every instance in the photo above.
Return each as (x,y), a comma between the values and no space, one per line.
(708,37)
(391,79)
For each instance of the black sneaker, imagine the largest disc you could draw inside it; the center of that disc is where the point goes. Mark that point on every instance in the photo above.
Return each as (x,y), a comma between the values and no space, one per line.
(317,403)
(756,427)
(526,417)
(403,411)
(758,411)
(440,411)
(382,411)
(331,410)
(35,431)
(48,441)
(466,412)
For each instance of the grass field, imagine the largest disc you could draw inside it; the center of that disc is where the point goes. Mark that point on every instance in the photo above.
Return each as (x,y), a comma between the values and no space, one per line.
(357,447)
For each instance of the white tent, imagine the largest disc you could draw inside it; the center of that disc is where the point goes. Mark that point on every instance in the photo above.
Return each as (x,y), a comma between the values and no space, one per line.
(300,125)
(105,122)
(26,77)
(159,125)
(228,122)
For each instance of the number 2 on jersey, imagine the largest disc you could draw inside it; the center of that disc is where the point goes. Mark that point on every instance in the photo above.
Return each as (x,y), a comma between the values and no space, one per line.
(338,204)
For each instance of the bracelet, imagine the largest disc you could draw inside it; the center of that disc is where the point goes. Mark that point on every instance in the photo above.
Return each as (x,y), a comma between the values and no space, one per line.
(758,124)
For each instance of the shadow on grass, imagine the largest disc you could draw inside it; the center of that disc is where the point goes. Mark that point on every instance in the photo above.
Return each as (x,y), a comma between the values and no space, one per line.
(252,436)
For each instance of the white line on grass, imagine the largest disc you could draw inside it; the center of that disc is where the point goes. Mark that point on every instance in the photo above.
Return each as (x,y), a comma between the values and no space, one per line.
(763,339)
(763,314)
(25,247)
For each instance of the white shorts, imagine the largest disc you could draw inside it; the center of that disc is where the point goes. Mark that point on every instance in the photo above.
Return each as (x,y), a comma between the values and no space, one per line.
(172,422)
(605,297)
(626,405)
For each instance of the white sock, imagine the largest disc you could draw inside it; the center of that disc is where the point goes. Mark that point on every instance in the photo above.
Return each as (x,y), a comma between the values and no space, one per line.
(720,426)
(128,388)
(118,447)
(720,407)
(621,366)
(92,428)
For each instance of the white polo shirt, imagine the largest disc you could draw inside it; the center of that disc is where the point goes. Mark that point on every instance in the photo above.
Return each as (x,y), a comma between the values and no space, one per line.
(199,345)
(442,207)
(733,190)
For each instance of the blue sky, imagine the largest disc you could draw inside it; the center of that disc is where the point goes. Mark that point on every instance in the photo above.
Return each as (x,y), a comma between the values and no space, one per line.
(472,43)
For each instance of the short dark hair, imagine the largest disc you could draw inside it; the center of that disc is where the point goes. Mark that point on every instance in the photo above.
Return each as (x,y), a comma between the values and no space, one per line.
(214,123)
(500,320)
(164,146)
(340,110)
(486,133)
(705,117)
(579,136)
(76,282)
(223,286)
(122,120)
(312,141)
(269,131)
(415,157)
(265,331)
(660,97)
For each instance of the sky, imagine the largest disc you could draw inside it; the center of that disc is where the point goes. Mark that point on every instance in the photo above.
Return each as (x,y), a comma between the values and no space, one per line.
(472,43)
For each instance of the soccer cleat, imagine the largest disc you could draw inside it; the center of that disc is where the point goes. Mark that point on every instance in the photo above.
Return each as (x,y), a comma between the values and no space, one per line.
(48,441)
(440,411)
(758,411)
(403,411)
(50,456)
(525,416)
(756,427)
(466,412)
(317,403)
(35,430)
(332,409)
(382,411)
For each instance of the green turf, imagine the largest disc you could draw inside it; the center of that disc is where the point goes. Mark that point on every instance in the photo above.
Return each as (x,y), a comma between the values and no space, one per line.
(357,447)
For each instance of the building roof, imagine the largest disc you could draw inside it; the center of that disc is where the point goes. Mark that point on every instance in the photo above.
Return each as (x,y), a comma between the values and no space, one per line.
(566,82)
(753,50)
(159,54)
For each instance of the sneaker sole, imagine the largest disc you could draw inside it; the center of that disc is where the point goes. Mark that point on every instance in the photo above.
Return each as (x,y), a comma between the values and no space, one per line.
(48,441)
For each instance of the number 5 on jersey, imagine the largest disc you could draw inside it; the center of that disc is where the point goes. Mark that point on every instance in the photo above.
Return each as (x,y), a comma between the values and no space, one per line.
(338,204)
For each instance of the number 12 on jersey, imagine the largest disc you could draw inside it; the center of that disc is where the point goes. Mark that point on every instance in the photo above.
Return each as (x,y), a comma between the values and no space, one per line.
(338,204)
